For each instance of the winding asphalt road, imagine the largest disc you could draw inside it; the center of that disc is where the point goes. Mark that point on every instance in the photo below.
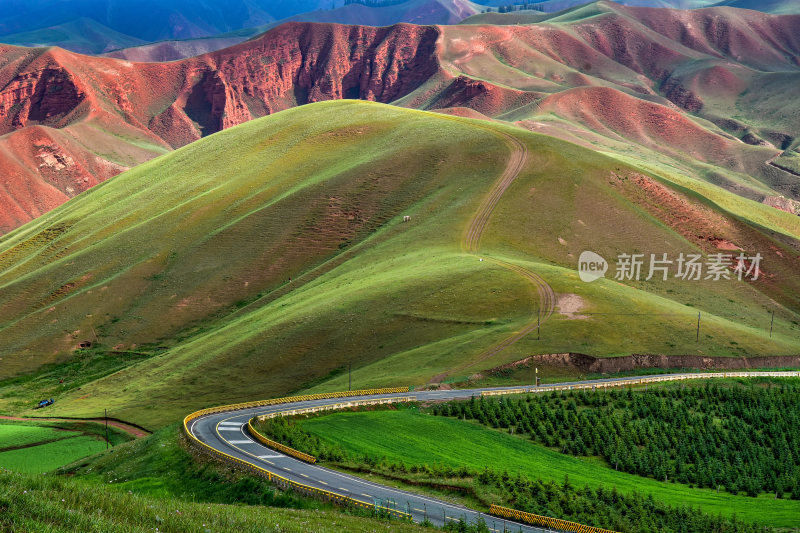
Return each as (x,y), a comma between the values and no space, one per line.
(227,433)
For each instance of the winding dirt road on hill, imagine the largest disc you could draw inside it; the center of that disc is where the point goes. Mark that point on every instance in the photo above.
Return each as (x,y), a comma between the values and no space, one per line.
(470,242)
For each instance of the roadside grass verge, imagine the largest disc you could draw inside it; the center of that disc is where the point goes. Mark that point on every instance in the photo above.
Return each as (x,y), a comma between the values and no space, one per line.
(57,504)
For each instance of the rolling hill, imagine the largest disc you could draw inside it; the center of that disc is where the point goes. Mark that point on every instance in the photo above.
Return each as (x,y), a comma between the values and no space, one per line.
(149,20)
(719,76)
(175,50)
(99,116)
(775,7)
(177,31)
(82,35)
(267,257)
(411,11)
(422,12)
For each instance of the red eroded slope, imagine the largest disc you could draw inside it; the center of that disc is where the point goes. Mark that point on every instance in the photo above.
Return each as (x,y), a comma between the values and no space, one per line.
(92,106)
(646,123)
(43,168)
(291,65)
(112,114)
(483,97)
(752,38)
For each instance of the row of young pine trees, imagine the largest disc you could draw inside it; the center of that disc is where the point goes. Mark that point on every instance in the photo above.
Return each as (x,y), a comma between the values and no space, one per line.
(737,439)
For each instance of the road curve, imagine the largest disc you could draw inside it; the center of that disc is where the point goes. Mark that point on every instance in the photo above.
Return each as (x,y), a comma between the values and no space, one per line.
(226,432)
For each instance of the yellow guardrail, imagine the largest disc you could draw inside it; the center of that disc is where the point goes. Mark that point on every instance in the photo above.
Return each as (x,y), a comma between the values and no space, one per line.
(269,443)
(495,510)
(538,520)
(302,398)
(280,481)
(337,406)
(641,381)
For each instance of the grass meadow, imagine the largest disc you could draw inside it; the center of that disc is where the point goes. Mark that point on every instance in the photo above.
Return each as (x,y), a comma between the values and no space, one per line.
(407,435)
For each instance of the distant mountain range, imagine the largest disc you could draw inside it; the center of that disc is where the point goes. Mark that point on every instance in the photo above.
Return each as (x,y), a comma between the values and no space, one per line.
(175,29)
(707,87)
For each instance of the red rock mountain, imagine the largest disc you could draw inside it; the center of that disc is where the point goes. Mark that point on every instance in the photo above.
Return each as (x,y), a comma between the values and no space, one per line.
(69,121)
(720,77)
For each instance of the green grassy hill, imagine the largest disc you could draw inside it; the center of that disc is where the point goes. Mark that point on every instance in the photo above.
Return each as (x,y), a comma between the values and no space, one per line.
(82,35)
(264,259)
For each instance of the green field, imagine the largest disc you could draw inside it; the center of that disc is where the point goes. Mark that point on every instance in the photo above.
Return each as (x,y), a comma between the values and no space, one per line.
(47,457)
(178,270)
(39,447)
(12,436)
(408,436)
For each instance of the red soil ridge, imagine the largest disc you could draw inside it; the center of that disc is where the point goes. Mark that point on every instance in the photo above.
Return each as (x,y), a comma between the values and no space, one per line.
(643,122)
(168,105)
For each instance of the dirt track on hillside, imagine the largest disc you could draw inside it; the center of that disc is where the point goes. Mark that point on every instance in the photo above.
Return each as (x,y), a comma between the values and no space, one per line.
(131,430)
(471,243)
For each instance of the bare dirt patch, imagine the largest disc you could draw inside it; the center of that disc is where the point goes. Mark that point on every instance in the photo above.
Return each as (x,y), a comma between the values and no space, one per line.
(570,306)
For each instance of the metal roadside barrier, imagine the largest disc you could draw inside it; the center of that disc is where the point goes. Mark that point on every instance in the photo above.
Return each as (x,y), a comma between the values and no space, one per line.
(269,443)
(287,484)
(303,398)
(546,521)
(600,384)
(495,510)
(337,406)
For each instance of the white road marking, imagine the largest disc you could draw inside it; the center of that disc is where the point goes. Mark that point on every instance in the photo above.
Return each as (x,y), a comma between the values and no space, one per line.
(240,442)
(230,429)
(270,456)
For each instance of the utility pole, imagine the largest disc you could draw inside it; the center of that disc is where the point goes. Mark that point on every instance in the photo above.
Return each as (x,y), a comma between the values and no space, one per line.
(698,327)
(106,429)
(771,323)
